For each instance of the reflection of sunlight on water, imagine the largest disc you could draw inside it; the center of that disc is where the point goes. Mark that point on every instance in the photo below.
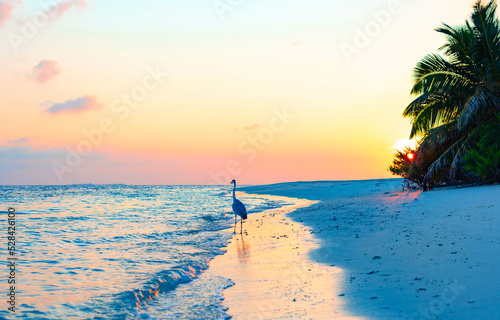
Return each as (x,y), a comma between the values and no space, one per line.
(82,245)
(147,296)
(84,250)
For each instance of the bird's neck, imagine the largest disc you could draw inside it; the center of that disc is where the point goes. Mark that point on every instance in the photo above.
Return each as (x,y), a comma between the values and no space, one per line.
(234,191)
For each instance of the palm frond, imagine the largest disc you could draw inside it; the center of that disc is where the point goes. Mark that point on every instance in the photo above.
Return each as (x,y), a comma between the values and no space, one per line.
(486,23)
(460,44)
(429,118)
(482,103)
(440,136)
(449,159)
(434,73)
(422,102)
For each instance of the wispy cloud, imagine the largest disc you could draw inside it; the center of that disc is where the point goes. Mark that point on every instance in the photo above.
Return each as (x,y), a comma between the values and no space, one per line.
(47,103)
(255,126)
(59,9)
(295,44)
(44,71)
(54,8)
(6,9)
(23,140)
(78,105)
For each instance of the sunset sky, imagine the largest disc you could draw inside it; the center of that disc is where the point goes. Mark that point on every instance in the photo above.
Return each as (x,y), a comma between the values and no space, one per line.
(199,92)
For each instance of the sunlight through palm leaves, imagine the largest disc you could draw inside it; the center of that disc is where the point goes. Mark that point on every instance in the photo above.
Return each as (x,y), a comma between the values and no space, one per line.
(458,92)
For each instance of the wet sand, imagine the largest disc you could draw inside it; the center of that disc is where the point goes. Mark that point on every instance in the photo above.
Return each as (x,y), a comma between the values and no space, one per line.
(273,275)
(367,250)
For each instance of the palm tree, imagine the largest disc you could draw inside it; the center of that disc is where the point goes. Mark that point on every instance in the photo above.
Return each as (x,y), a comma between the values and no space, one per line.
(458,92)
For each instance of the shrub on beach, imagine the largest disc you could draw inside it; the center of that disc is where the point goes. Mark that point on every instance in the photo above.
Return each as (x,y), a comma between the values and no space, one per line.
(407,166)
(401,164)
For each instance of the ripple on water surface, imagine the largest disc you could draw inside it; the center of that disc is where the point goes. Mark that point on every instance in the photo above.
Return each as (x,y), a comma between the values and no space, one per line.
(116,251)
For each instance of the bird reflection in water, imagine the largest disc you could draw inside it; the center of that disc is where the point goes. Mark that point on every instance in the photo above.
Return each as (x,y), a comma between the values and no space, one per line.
(243,249)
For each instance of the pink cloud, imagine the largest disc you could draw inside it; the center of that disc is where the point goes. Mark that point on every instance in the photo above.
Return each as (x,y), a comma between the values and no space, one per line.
(59,9)
(6,8)
(255,126)
(78,105)
(55,11)
(44,71)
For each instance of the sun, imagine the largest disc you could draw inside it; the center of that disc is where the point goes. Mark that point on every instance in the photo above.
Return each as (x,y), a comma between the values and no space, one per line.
(410,156)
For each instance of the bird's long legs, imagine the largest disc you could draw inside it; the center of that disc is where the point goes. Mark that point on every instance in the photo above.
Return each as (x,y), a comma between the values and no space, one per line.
(234,224)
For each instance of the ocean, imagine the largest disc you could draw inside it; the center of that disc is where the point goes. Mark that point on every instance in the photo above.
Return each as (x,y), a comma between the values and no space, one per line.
(119,251)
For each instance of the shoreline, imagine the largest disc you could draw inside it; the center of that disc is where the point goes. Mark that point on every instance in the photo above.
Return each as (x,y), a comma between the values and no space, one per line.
(367,250)
(273,277)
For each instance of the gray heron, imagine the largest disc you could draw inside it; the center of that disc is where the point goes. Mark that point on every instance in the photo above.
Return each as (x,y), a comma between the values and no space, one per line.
(238,209)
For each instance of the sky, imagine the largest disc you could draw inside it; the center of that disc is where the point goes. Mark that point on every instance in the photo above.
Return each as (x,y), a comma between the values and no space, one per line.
(203,92)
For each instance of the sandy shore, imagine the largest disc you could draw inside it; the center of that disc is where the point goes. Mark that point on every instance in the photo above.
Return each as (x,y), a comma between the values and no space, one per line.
(367,250)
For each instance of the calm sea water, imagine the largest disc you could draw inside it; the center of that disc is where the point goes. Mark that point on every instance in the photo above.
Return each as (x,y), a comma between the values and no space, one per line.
(119,251)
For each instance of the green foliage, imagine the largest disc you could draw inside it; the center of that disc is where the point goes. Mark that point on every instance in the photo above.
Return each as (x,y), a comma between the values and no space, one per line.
(411,170)
(484,158)
(458,94)
(401,165)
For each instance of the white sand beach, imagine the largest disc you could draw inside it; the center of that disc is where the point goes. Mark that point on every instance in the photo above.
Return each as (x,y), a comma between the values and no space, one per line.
(367,250)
